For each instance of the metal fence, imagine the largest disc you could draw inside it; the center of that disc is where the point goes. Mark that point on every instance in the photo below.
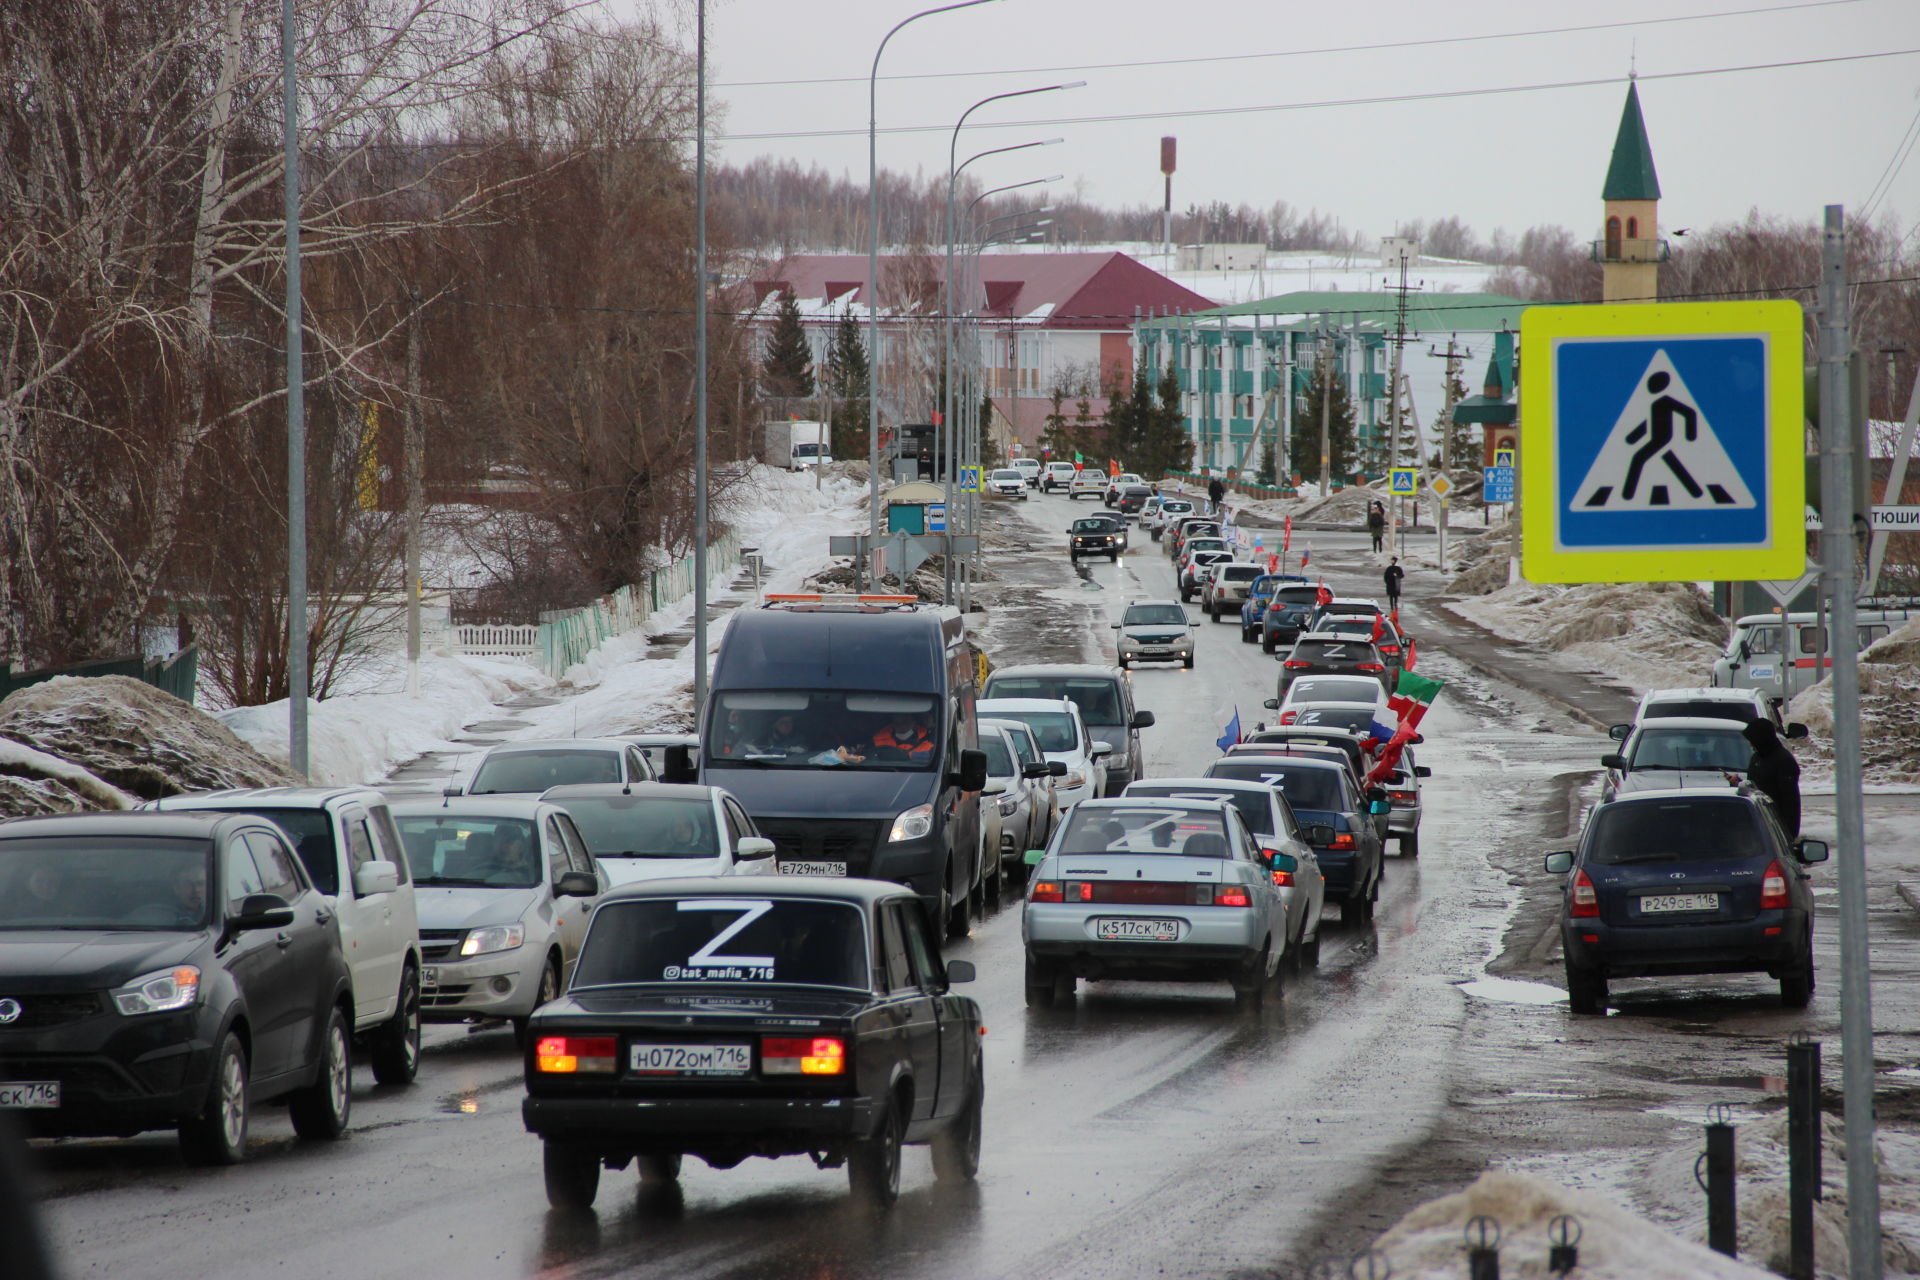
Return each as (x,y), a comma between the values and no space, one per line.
(565,637)
(176,675)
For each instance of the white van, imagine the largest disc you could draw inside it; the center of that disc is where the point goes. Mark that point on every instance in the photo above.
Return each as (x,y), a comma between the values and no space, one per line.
(1777,653)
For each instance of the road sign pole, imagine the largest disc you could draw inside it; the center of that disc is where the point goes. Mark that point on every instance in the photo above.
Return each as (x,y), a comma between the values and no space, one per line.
(1837,561)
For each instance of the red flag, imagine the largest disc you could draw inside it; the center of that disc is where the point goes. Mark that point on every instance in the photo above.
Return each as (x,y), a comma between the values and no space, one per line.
(1395,615)
(1113,468)
(1413,654)
(1323,597)
(1286,537)
(1273,563)
(1379,629)
(1390,754)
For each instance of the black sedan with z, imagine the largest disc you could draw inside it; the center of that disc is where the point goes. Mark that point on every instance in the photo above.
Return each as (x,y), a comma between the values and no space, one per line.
(756,1016)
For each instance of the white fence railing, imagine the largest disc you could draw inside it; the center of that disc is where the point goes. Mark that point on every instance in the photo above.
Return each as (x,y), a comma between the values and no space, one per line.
(496,640)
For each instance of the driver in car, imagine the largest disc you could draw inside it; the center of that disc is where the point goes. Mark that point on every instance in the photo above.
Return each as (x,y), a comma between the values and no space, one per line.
(904,738)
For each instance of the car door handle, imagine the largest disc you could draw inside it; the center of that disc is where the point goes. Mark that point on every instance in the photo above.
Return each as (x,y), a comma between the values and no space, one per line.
(283,940)
(323,916)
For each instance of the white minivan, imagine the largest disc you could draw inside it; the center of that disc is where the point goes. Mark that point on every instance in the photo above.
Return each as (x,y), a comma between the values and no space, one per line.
(1778,653)
(346,839)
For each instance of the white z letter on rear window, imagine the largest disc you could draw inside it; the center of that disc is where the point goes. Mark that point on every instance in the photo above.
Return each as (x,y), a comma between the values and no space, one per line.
(749,909)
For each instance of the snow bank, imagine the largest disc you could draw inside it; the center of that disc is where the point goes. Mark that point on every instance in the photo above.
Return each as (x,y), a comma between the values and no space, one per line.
(1889,708)
(1615,1244)
(34,782)
(1646,635)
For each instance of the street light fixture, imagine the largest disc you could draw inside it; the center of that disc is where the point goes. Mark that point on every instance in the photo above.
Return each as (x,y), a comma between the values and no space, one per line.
(873,270)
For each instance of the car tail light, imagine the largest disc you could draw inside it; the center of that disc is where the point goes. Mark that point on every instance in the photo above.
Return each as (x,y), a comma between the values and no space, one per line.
(1390,649)
(1077,891)
(1288,717)
(1403,797)
(569,1055)
(1226,895)
(1369,666)
(802,1056)
(1045,891)
(1586,902)
(1773,887)
(1342,841)
(1295,664)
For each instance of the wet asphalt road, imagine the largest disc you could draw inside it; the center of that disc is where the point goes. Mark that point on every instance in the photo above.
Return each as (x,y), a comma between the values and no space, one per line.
(1148,1130)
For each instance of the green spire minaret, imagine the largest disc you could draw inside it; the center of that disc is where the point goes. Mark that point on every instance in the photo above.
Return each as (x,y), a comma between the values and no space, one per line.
(1630,249)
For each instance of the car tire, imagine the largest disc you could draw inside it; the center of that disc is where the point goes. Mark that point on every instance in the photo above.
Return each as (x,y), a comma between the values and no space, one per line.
(1410,844)
(1310,949)
(658,1170)
(1187,662)
(396,1044)
(1114,558)
(957,912)
(217,1133)
(1586,989)
(1353,912)
(873,1166)
(1039,984)
(1251,984)
(1123,663)
(956,1149)
(549,991)
(572,1175)
(1796,987)
(321,1110)
(1266,645)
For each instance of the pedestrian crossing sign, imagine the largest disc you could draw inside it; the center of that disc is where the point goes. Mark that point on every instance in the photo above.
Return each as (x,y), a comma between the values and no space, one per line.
(970,480)
(1403,482)
(1663,442)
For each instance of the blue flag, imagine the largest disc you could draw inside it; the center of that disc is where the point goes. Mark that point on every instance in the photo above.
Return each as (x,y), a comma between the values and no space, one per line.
(1232,735)
(1380,731)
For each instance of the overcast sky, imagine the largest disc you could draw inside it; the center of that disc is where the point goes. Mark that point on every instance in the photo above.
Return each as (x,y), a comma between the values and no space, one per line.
(1786,140)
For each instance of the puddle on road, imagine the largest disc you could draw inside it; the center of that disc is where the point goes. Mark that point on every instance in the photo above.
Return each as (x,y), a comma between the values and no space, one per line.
(1514,991)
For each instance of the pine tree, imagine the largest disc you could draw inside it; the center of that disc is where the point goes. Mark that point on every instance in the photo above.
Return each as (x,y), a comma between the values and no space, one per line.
(787,370)
(1328,385)
(1164,444)
(989,450)
(1268,464)
(847,383)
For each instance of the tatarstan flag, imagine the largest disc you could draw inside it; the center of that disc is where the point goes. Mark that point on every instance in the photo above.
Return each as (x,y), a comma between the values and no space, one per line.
(1412,696)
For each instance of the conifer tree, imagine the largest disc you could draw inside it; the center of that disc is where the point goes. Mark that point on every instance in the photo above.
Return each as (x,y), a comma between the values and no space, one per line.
(847,375)
(1326,384)
(787,371)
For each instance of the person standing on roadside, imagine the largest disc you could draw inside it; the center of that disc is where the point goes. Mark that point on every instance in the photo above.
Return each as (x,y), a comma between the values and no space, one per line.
(1393,577)
(1376,524)
(1774,773)
(1216,492)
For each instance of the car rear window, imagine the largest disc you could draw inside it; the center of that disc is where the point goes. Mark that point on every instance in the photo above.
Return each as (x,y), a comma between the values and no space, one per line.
(1716,709)
(1706,829)
(1098,700)
(1334,651)
(1657,748)
(1255,809)
(1298,595)
(644,826)
(1333,689)
(737,941)
(1305,786)
(1352,719)
(1240,572)
(522,771)
(1117,829)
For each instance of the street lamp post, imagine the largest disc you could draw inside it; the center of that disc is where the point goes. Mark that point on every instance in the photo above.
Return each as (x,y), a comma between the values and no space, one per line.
(873,270)
(700,367)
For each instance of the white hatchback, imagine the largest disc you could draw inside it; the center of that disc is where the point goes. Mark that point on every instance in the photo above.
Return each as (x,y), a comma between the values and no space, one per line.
(1062,735)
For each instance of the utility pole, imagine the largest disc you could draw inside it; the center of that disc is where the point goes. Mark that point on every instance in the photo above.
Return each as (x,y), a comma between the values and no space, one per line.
(700,366)
(1838,585)
(1326,410)
(297,678)
(414,443)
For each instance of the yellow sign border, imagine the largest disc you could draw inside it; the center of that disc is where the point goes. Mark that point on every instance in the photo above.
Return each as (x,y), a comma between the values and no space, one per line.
(1781,322)
(1413,489)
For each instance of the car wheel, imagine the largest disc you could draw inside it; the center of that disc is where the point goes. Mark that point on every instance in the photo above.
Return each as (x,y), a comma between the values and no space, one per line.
(396,1046)
(1114,558)
(549,992)
(321,1110)
(873,1166)
(1373,900)
(572,1174)
(1410,844)
(1796,988)
(218,1134)
(1188,662)
(1353,911)
(1586,989)
(659,1169)
(1310,949)
(1123,664)
(1266,645)
(956,1149)
(1251,984)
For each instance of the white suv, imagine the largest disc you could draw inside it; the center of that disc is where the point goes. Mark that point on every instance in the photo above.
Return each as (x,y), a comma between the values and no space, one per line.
(1089,483)
(347,841)
(1029,469)
(1058,475)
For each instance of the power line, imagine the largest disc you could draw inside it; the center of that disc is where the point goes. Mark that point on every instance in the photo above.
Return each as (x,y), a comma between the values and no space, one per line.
(1895,163)
(1384,99)
(1299,53)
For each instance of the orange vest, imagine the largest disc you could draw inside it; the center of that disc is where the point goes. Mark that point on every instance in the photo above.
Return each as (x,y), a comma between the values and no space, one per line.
(917,743)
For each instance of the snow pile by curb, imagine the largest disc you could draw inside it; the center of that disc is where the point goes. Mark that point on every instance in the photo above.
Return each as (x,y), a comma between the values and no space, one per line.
(33,782)
(1646,635)
(1889,708)
(1615,1244)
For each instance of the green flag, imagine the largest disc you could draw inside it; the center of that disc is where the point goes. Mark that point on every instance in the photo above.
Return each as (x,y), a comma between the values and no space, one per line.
(1077,458)
(1412,696)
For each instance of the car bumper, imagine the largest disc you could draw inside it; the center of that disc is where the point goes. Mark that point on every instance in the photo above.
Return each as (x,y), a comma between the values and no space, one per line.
(633,1125)
(1208,933)
(506,985)
(1176,651)
(1744,946)
(1341,869)
(1403,821)
(117,1076)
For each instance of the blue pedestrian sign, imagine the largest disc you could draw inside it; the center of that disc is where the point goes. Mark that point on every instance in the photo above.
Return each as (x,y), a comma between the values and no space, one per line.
(969,479)
(1496,484)
(1403,482)
(1663,442)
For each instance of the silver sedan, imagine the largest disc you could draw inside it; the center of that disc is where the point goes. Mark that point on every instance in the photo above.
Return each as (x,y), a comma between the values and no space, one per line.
(1173,890)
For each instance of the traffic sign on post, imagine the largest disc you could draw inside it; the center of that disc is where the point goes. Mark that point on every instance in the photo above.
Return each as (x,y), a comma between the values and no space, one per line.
(970,480)
(1664,442)
(1403,482)
(1440,485)
(1503,457)
(1496,483)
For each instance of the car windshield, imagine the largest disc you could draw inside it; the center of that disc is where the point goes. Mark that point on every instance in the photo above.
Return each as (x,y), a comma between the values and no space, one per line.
(516,772)
(1053,730)
(1118,829)
(1097,698)
(1009,474)
(1154,615)
(461,850)
(1333,689)
(1691,749)
(1090,525)
(815,728)
(1710,828)
(1716,709)
(739,941)
(1256,810)
(1239,573)
(644,826)
(1304,786)
(999,759)
(1352,719)
(103,882)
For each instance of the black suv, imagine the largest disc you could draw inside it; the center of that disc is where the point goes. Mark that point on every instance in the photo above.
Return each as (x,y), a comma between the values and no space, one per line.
(163,970)
(1683,882)
(1316,654)
(1092,536)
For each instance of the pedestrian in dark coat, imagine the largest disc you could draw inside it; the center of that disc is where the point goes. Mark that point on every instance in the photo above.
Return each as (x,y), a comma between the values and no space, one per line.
(1215,492)
(1392,577)
(1377,524)
(1775,773)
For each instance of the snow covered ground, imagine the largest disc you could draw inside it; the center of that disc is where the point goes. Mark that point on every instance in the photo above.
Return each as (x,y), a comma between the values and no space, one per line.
(620,688)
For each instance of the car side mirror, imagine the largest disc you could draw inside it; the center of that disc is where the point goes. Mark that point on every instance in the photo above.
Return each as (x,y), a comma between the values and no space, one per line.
(1619,732)
(576,884)
(753,848)
(1271,704)
(1561,862)
(1421,771)
(1378,807)
(994,787)
(1796,730)
(1278,861)
(1810,850)
(1193,626)
(1142,720)
(1116,626)
(1614,760)
(1034,857)
(676,765)
(261,911)
(972,773)
(1318,833)
(1100,751)
(451,790)
(1056,768)
(374,877)
(1417,739)
(960,971)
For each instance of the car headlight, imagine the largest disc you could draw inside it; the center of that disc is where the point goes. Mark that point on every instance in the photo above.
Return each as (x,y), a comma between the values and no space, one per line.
(160,991)
(912,824)
(491,938)
(1009,805)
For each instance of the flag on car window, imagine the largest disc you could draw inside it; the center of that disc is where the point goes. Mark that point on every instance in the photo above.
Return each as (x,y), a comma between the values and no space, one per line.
(1286,536)
(1323,597)
(1379,629)
(1232,734)
(1413,653)
(1412,696)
